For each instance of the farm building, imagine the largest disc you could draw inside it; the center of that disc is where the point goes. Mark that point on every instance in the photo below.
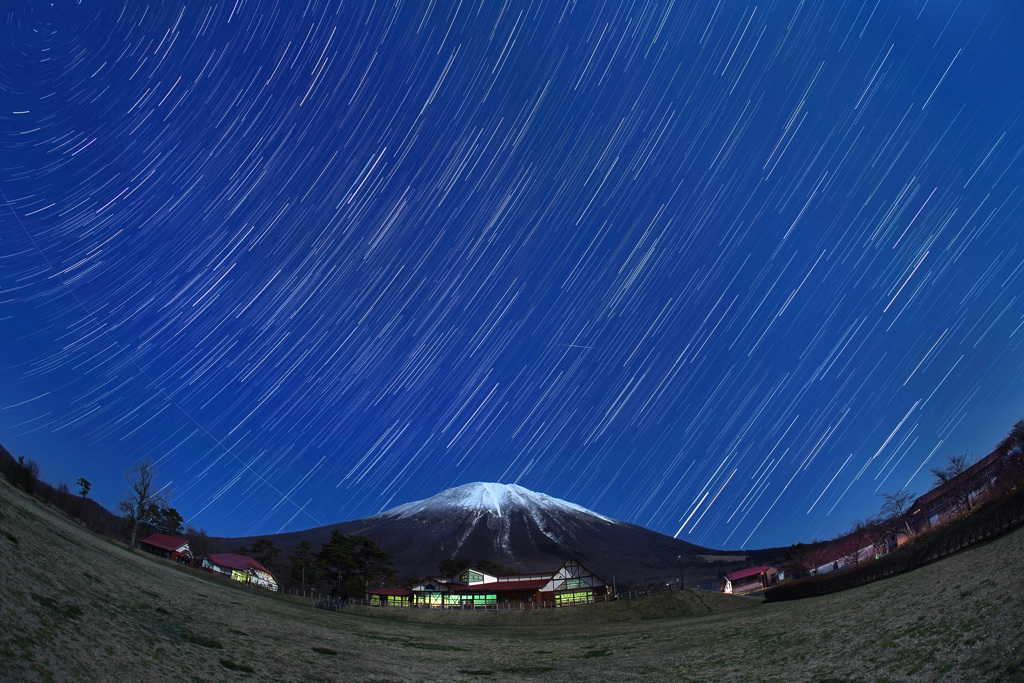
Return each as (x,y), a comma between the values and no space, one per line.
(864,554)
(750,579)
(952,497)
(240,568)
(396,597)
(571,584)
(171,547)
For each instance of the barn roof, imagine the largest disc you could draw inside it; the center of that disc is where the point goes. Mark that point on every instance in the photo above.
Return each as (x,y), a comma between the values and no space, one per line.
(402,592)
(234,561)
(502,586)
(744,573)
(164,542)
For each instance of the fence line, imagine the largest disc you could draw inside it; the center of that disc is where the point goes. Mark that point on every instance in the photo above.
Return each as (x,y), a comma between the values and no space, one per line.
(335,604)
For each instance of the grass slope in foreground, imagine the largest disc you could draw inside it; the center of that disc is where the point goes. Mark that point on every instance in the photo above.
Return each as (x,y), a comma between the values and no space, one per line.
(75,607)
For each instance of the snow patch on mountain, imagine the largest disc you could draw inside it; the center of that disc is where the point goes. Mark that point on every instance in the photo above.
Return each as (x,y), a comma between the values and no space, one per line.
(465,534)
(498,499)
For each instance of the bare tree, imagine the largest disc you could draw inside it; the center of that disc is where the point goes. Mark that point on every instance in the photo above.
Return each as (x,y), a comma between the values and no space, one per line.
(856,539)
(951,475)
(63,493)
(142,501)
(879,532)
(896,509)
(807,558)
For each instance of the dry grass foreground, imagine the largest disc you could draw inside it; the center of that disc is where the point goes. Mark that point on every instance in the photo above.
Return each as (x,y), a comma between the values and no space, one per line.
(76,607)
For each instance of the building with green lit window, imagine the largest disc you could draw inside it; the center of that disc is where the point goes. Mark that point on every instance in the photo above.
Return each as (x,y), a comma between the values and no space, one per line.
(571,584)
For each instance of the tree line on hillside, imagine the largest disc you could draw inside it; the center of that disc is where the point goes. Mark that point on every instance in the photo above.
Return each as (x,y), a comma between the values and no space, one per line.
(346,566)
(343,566)
(144,508)
(895,518)
(24,474)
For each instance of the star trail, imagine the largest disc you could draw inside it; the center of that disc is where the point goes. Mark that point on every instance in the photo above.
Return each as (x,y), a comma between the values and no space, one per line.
(722,269)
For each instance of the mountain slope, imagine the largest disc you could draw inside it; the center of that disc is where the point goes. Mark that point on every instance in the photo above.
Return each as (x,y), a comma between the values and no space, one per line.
(520,529)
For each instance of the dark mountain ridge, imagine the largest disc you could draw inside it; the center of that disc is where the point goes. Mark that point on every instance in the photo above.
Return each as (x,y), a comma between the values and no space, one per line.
(525,531)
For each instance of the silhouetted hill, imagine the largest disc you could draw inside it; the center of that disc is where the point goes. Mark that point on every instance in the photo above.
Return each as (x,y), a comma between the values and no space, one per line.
(94,515)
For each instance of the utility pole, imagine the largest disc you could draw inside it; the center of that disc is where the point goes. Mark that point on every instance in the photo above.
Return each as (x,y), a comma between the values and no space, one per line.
(682,585)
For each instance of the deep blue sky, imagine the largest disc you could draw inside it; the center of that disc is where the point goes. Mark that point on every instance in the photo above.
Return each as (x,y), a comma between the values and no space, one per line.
(721,269)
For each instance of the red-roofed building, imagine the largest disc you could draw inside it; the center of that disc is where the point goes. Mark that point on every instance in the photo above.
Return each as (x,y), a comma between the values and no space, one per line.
(571,584)
(750,579)
(396,597)
(171,547)
(240,568)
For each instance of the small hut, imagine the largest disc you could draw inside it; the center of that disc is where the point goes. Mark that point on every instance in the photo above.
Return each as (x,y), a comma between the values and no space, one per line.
(750,579)
(171,547)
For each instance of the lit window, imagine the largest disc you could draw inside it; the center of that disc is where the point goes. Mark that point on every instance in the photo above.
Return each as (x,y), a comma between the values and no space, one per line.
(574,598)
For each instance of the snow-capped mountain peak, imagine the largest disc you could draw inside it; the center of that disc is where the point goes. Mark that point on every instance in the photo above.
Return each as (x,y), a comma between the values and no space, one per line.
(497,499)
(517,528)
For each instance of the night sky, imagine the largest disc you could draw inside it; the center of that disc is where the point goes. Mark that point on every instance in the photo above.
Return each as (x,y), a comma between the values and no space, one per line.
(720,269)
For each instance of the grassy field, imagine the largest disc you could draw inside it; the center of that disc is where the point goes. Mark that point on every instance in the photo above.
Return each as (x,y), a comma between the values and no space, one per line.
(76,607)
